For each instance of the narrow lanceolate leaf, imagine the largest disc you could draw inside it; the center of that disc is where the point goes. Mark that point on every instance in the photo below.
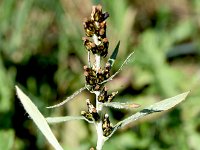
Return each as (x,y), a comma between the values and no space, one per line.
(38,118)
(68,98)
(119,105)
(53,120)
(157,107)
(120,69)
(113,57)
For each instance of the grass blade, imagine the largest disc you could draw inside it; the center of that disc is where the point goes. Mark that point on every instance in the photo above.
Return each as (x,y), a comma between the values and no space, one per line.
(38,118)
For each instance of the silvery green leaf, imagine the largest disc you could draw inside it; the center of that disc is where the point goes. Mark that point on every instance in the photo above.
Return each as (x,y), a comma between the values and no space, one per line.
(53,120)
(38,118)
(157,107)
(68,98)
(119,105)
(113,57)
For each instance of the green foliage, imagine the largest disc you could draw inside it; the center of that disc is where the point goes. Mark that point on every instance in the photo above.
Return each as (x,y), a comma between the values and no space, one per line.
(7,139)
(41,49)
(113,57)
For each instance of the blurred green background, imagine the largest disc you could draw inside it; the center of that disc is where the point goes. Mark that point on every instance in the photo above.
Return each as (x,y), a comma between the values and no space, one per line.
(41,50)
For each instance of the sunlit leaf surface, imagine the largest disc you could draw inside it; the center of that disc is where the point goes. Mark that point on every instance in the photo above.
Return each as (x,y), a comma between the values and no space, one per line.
(38,118)
(157,107)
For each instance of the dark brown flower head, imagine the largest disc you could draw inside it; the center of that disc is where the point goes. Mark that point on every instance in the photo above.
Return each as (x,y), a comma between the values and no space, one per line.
(94,116)
(87,115)
(95,27)
(94,79)
(92,110)
(103,47)
(89,27)
(90,46)
(101,32)
(105,97)
(106,126)
(97,14)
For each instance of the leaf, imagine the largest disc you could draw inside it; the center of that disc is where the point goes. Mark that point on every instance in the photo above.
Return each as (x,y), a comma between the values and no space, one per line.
(68,98)
(119,105)
(157,107)
(53,120)
(113,57)
(38,118)
(121,67)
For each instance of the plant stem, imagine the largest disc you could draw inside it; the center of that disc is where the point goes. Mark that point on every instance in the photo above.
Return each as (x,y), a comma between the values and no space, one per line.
(97,56)
(100,137)
(98,124)
(89,62)
(98,62)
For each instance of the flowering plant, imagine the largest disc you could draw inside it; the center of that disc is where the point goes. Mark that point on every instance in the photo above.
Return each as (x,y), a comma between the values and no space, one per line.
(96,75)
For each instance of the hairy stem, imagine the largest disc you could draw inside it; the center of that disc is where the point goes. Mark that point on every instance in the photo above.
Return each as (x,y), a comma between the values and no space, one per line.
(100,137)
(97,56)
(98,62)
(89,62)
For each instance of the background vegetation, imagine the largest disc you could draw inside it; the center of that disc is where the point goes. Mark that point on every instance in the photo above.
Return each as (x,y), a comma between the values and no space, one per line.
(41,50)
